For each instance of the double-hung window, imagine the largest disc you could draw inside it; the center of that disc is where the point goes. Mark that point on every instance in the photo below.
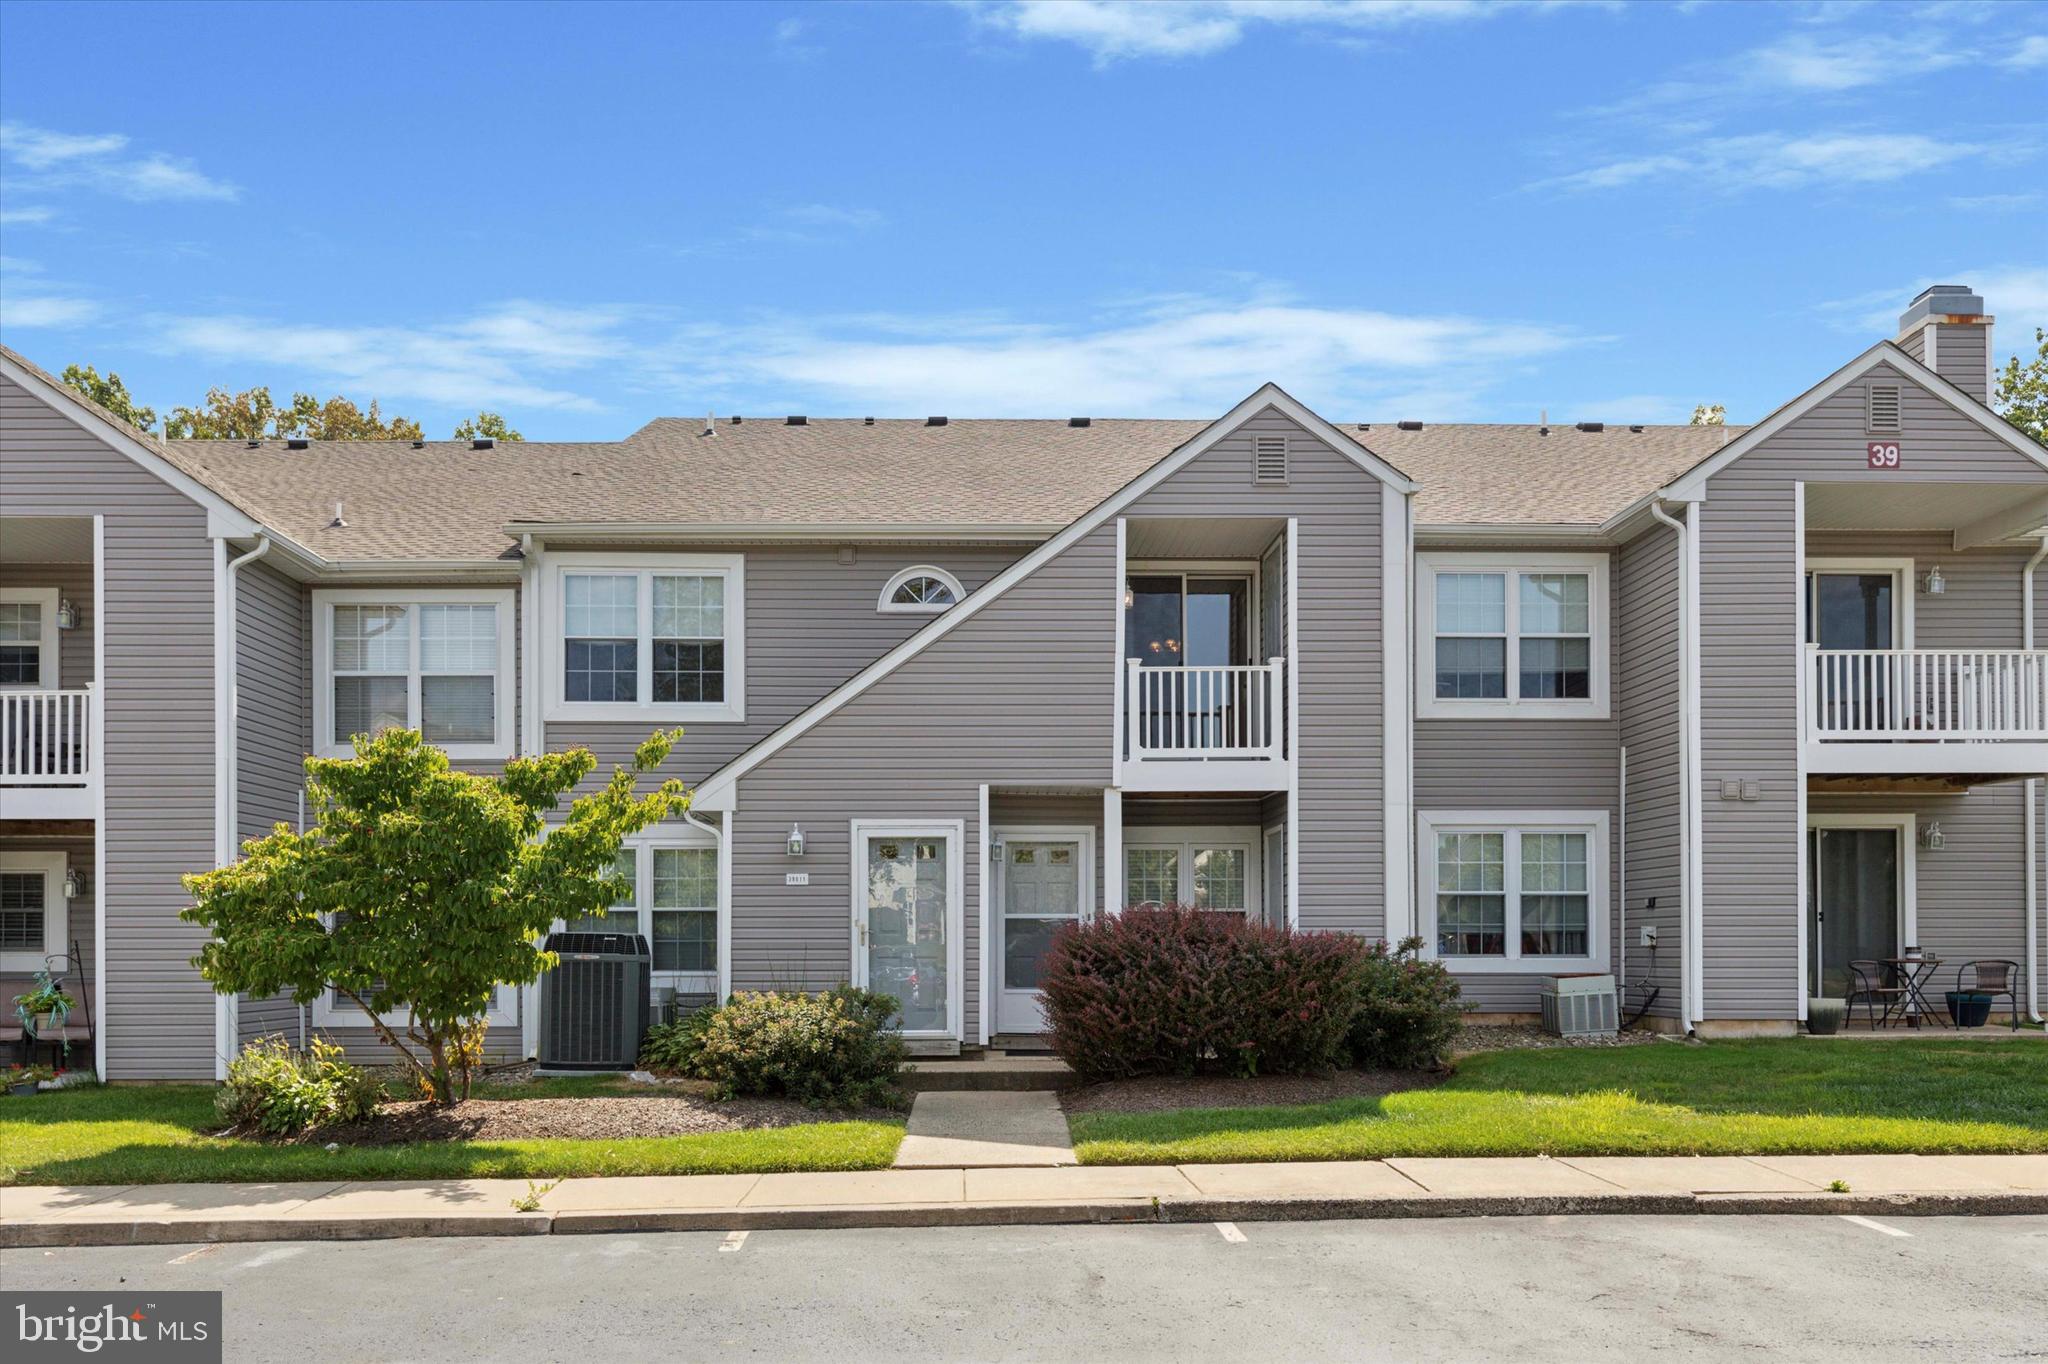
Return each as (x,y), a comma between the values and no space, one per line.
(28,637)
(672,901)
(33,922)
(1512,635)
(640,637)
(1214,868)
(431,659)
(1506,890)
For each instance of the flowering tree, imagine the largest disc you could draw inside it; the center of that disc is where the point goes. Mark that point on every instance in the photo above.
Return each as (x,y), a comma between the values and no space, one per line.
(420,889)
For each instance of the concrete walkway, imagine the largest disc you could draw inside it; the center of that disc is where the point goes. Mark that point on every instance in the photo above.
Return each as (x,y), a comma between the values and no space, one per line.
(985,1130)
(174,1213)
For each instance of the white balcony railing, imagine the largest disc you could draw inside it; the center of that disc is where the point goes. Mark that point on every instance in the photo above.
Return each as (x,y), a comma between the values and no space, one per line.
(1927,695)
(1234,713)
(46,737)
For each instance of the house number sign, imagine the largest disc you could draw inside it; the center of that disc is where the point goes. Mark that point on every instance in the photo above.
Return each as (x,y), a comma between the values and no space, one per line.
(1882,454)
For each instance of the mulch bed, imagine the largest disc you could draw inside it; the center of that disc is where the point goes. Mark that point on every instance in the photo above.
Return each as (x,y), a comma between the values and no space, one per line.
(1161,1093)
(594,1118)
(1508,1036)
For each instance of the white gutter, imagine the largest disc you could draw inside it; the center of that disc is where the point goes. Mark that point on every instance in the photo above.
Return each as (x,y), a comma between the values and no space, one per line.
(837,532)
(724,900)
(227,1007)
(1691,956)
(2032,808)
(1621,893)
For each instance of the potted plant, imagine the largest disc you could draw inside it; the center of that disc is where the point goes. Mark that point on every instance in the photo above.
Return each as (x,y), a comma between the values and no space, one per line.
(23,1081)
(45,1006)
(1824,1017)
(1968,1008)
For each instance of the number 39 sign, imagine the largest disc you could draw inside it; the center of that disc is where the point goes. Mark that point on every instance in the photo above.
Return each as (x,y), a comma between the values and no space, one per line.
(1882,454)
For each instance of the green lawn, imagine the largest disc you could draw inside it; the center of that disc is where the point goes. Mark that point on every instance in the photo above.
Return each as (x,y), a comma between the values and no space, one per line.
(155,1135)
(1725,1098)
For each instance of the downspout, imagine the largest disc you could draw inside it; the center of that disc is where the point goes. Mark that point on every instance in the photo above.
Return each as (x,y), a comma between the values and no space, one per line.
(724,929)
(1688,780)
(227,1007)
(1621,874)
(2033,809)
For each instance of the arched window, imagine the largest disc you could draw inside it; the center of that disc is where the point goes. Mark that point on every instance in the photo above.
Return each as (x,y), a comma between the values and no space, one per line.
(922,589)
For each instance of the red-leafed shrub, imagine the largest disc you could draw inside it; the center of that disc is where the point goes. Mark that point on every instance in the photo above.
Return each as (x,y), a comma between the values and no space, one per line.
(1176,991)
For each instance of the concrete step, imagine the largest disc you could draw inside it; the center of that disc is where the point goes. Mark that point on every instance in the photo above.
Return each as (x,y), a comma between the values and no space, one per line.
(948,1074)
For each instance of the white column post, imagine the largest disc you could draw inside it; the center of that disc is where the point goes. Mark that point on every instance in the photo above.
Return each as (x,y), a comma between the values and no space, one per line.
(1113,850)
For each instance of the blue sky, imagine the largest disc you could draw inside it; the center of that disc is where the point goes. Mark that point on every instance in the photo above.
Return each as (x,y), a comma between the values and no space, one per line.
(591,215)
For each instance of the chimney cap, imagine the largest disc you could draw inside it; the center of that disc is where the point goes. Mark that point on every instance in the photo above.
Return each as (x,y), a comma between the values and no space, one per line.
(1941,300)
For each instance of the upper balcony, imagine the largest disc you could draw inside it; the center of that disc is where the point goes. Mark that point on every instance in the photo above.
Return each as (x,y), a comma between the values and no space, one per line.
(48,763)
(1961,710)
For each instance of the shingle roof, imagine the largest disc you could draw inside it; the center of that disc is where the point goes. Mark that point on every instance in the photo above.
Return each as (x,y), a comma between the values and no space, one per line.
(445,500)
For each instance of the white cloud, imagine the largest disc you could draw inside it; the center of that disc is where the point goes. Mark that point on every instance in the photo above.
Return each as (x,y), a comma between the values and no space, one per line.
(1780,161)
(47,161)
(513,355)
(2029,53)
(1117,30)
(834,215)
(2017,296)
(1803,64)
(45,311)
(1993,203)
(1191,357)
(11,217)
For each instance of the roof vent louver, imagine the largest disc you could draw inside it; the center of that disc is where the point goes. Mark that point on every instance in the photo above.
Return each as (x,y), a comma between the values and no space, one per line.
(419,445)
(1881,407)
(1636,427)
(1080,421)
(934,421)
(796,421)
(736,419)
(1409,426)
(482,442)
(1592,426)
(867,421)
(297,443)
(253,444)
(1269,459)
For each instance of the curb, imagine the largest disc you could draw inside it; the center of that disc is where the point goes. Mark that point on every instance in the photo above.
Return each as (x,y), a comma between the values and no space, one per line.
(1112,1211)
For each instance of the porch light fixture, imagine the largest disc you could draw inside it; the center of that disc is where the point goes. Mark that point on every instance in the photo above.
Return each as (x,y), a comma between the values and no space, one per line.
(67,616)
(1931,839)
(796,840)
(1934,584)
(74,883)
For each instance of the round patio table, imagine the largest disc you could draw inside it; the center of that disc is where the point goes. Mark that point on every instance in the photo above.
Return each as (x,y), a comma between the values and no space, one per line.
(1913,973)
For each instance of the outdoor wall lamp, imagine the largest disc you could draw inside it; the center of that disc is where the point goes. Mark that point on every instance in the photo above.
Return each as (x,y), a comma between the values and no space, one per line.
(74,883)
(1934,584)
(67,616)
(1932,839)
(796,840)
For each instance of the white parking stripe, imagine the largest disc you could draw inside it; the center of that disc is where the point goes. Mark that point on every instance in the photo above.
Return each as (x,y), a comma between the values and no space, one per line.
(1230,1233)
(192,1255)
(733,1241)
(1875,1226)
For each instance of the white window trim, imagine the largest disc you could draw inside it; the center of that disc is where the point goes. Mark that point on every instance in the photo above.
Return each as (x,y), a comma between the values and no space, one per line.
(1905,586)
(506,682)
(1430,706)
(732,567)
(50,662)
(643,846)
(56,910)
(1515,823)
(502,1013)
(1906,825)
(895,608)
(1185,839)
(954,831)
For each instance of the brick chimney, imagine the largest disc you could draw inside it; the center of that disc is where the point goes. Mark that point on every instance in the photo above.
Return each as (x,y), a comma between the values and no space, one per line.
(1947,329)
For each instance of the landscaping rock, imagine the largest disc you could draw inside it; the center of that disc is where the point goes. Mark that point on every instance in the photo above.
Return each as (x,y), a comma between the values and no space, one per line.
(603,1118)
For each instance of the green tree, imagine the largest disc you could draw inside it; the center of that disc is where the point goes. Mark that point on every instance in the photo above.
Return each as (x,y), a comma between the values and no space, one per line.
(254,415)
(110,393)
(422,888)
(1709,414)
(486,424)
(2021,396)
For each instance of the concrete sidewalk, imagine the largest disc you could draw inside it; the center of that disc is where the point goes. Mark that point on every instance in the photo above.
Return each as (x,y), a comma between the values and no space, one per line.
(167,1213)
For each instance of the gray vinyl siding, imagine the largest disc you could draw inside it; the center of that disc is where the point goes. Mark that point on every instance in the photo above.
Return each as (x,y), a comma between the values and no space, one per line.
(272,659)
(1649,687)
(74,584)
(1018,695)
(1749,589)
(1512,764)
(811,624)
(1961,356)
(158,695)
(1342,809)
(78,927)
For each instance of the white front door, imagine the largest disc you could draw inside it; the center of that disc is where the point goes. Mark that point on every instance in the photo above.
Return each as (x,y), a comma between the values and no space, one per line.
(1044,880)
(907,921)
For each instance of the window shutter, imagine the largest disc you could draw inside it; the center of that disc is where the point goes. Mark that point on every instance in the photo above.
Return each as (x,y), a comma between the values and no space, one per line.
(1883,413)
(1269,459)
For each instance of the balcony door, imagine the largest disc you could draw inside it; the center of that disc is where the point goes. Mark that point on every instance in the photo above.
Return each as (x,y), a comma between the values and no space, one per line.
(1857,606)
(1199,620)
(1859,894)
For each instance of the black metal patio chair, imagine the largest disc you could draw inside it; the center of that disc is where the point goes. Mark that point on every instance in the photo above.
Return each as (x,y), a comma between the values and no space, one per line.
(1877,985)
(1993,976)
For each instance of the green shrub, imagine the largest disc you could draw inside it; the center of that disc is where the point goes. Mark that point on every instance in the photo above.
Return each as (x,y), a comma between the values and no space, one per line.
(833,1050)
(672,1047)
(1408,1011)
(280,1091)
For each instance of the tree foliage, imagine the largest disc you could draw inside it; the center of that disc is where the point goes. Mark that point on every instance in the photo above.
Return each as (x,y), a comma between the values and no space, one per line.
(109,392)
(2021,395)
(486,424)
(254,415)
(421,888)
(1710,414)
